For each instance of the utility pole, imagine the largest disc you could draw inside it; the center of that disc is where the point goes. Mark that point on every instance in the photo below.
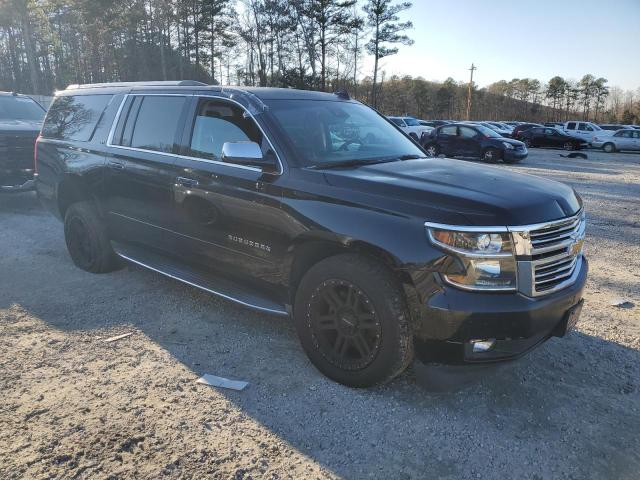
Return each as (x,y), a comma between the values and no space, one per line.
(473,67)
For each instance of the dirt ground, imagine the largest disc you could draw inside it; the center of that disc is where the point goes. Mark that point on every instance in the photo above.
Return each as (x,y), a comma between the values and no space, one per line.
(74,406)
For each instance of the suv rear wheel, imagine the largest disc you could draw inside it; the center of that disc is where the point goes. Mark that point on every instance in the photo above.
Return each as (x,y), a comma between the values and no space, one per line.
(353,322)
(87,239)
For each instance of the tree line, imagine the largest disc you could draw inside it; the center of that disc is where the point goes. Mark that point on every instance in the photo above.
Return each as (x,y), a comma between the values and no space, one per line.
(46,45)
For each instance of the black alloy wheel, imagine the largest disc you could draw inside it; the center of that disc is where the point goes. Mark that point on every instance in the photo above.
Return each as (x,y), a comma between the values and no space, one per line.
(344,324)
(568,146)
(352,319)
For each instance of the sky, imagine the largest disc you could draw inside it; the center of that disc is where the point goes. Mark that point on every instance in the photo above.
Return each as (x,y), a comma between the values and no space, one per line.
(516,39)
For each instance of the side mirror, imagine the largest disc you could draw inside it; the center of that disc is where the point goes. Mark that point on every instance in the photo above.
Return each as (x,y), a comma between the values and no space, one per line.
(244,153)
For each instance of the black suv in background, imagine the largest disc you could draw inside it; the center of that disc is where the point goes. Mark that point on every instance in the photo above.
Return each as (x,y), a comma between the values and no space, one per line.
(473,140)
(20,121)
(551,137)
(313,205)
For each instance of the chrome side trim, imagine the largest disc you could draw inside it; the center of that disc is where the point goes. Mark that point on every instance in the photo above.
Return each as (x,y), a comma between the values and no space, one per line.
(112,130)
(283,313)
(466,228)
(205,160)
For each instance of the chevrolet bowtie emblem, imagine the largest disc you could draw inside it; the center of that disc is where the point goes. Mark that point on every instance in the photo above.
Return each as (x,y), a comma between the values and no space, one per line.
(576,248)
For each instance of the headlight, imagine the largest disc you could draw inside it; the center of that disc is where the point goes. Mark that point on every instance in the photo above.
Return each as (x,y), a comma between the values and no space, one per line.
(507,145)
(485,260)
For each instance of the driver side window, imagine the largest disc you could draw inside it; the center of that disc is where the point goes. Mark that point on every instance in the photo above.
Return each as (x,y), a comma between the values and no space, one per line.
(217,122)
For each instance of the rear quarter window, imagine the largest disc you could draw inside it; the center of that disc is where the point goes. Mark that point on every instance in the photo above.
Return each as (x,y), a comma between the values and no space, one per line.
(74,117)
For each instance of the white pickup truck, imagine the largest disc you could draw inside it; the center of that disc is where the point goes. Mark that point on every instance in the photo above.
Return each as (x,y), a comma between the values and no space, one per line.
(585,130)
(411,126)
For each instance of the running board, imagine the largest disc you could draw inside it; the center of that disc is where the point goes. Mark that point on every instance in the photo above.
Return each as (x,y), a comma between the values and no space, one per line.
(206,281)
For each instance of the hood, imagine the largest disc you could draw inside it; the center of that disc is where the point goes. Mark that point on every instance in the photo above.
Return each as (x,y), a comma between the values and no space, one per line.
(484,195)
(19,126)
(515,143)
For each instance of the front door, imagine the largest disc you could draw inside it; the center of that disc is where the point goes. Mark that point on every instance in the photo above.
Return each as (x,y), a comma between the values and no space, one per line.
(227,216)
(447,139)
(468,143)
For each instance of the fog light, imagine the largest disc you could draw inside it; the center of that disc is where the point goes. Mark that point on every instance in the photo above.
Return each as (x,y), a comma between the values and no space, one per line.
(480,346)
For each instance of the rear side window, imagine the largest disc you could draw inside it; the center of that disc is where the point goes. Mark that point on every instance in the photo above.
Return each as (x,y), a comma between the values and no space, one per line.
(156,122)
(448,130)
(467,132)
(571,126)
(398,122)
(74,117)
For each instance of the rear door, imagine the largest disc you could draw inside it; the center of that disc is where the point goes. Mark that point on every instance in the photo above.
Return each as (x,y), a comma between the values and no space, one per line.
(624,140)
(141,170)
(636,140)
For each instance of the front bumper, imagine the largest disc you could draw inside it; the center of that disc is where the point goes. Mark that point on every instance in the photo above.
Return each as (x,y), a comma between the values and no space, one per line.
(513,154)
(451,318)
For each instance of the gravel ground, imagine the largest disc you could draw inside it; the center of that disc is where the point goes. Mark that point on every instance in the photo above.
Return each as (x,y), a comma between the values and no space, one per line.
(74,406)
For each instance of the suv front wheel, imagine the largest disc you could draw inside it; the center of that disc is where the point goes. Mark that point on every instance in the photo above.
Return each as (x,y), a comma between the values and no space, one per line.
(87,239)
(353,322)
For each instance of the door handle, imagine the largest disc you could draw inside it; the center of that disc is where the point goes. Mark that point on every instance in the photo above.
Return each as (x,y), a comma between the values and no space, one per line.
(187,182)
(116,165)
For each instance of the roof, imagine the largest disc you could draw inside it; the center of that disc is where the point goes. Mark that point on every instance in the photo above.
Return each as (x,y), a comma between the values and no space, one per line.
(13,94)
(263,93)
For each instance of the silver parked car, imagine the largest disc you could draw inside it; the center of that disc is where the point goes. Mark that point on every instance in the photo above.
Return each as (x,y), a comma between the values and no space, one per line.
(626,139)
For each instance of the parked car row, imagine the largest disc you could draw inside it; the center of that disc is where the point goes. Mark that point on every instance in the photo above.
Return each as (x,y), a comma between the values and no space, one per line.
(570,135)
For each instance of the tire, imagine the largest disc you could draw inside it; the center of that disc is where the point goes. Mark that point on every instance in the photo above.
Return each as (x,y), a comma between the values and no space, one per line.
(491,155)
(87,240)
(527,143)
(609,147)
(432,150)
(344,301)
(569,146)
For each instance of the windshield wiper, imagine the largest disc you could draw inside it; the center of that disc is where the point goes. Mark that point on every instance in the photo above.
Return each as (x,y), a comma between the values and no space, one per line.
(349,163)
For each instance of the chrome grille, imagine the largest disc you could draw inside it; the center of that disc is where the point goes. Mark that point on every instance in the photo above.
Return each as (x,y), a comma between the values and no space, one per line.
(549,254)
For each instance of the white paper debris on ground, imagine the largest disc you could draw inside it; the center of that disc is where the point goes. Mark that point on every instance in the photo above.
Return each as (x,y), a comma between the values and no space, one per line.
(117,337)
(214,381)
(622,303)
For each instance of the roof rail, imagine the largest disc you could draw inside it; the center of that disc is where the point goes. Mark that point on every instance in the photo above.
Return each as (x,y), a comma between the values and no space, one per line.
(169,83)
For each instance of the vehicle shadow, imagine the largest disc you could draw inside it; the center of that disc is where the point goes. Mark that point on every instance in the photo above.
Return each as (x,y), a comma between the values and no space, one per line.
(560,405)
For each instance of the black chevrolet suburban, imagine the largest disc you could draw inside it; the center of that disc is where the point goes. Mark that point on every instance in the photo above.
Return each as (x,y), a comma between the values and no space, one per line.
(313,205)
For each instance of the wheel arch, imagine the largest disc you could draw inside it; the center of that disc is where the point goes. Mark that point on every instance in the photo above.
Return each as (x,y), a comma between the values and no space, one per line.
(70,190)
(309,250)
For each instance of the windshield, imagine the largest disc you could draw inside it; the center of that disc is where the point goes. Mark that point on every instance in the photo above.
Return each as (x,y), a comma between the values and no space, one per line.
(412,122)
(20,108)
(487,132)
(327,132)
(595,127)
